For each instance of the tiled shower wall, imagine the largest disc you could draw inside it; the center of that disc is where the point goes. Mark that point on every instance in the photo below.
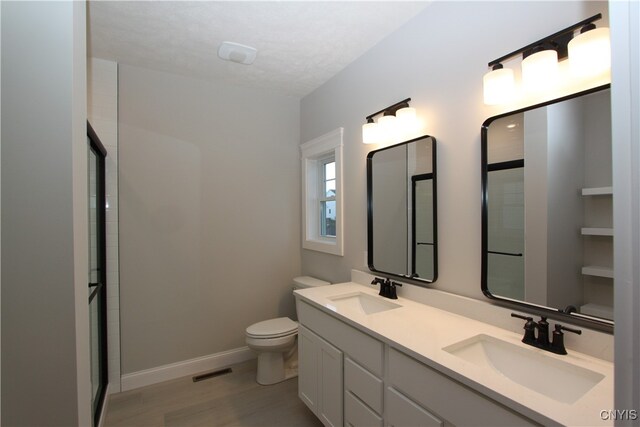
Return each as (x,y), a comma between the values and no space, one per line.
(102,111)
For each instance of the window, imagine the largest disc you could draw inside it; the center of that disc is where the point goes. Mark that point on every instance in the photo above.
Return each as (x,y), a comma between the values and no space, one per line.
(322,198)
(327,197)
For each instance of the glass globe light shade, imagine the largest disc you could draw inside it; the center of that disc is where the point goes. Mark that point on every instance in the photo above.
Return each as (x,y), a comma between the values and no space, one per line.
(406,115)
(590,53)
(540,71)
(407,123)
(387,127)
(370,133)
(499,86)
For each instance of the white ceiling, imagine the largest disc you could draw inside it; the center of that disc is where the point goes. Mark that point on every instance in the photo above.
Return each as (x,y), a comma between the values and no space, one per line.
(301,44)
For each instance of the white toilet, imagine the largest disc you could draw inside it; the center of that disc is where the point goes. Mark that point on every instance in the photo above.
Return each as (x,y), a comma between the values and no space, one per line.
(275,342)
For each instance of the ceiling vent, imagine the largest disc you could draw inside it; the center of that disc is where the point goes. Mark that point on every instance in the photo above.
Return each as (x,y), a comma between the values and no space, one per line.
(236,52)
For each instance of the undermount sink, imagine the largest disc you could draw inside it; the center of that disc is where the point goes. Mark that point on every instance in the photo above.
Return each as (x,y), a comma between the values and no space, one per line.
(531,368)
(360,302)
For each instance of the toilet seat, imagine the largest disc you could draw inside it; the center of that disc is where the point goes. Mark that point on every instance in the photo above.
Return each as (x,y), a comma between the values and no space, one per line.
(272,328)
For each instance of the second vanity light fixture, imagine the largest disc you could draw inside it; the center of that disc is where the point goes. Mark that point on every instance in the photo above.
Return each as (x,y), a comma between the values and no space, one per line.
(398,120)
(589,55)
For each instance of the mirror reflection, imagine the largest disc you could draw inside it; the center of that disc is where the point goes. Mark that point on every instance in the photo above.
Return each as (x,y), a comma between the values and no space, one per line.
(93,216)
(401,193)
(547,206)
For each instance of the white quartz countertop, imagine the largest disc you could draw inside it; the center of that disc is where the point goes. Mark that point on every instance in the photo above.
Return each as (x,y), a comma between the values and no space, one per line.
(422,331)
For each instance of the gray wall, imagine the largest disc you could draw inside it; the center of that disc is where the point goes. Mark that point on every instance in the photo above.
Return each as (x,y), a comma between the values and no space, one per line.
(209,214)
(44,259)
(449,42)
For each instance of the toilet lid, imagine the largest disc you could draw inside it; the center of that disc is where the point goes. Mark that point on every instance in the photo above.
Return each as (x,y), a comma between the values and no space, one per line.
(273,328)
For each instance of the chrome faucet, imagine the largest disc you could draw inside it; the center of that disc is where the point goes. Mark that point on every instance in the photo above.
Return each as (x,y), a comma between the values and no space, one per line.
(541,339)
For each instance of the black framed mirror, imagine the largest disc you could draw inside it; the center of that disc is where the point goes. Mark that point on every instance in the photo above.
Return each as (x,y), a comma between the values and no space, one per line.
(402,211)
(547,210)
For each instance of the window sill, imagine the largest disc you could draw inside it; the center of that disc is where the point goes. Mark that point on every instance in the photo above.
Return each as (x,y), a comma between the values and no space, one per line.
(329,246)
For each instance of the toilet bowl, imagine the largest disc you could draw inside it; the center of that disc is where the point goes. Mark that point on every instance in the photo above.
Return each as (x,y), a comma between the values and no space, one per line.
(275,341)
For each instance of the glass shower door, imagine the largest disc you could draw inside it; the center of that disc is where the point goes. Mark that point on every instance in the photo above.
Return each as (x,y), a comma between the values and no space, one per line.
(97,273)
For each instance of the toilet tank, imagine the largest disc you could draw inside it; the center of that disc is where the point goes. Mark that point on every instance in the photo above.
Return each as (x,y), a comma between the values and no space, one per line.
(303,282)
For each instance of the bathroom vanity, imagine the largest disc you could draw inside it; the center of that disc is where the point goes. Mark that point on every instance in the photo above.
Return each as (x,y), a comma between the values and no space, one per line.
(365,360)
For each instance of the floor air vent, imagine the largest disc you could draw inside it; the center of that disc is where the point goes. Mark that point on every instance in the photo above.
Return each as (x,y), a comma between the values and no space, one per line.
(213,374)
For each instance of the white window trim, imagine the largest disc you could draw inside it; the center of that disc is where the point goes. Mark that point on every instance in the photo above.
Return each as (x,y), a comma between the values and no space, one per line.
(312,152)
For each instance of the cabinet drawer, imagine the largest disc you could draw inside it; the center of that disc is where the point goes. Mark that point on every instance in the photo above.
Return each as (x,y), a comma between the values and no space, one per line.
(367,351)
(401,411)
(356,414)
(453,401)
(363,384)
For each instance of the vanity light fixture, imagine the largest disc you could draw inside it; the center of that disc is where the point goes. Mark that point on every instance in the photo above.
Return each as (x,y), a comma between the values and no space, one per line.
(589,55)
(397,120)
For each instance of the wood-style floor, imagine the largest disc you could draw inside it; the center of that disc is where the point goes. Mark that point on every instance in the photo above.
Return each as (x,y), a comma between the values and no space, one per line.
(233,399)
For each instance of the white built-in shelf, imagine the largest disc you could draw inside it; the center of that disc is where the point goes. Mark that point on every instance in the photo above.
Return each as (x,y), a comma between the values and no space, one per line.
(597,191)
(597,310)
(592,231)
(594,270)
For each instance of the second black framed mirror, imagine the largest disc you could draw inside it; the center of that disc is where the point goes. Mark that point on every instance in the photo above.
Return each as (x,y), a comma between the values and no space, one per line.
(547,214)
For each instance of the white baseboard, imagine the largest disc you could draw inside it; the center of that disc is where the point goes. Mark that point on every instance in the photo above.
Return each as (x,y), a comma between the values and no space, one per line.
(184,368)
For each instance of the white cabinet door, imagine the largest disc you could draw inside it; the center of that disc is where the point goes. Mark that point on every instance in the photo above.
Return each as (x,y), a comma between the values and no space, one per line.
(308,368)
(320,377)
(330,387)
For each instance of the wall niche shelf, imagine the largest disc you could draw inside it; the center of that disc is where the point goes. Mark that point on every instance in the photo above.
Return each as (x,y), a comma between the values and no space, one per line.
(597,191)
(598,279)
(594,270)
(594,231)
